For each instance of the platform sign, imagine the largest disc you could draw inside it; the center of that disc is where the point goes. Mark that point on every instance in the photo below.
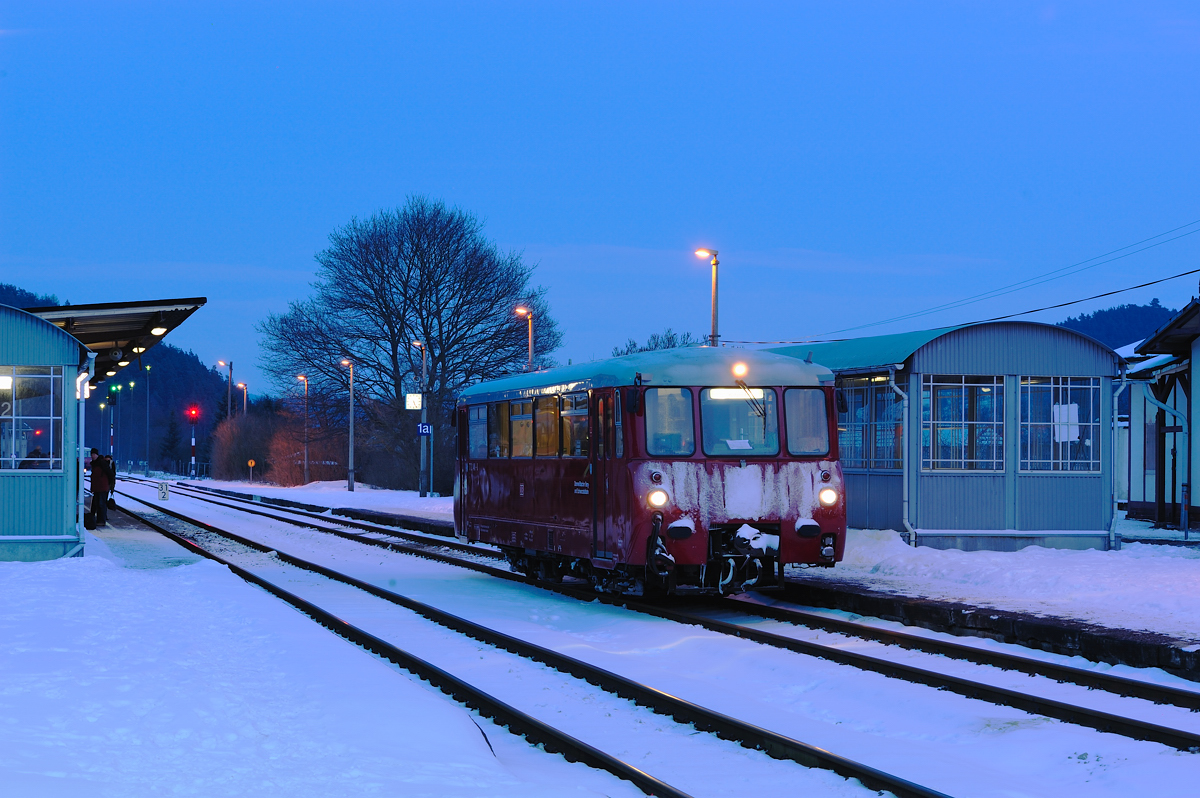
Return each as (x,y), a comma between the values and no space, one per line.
(412,401)
(164,491)
(424,429)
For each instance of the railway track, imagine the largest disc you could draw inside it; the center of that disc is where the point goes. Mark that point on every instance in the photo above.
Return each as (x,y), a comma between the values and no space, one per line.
(1092,680)
(775,745)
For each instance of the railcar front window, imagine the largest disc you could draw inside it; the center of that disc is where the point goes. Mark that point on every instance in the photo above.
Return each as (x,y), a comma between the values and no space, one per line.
(31,429)
(739,422)
(670,431)
(807,421)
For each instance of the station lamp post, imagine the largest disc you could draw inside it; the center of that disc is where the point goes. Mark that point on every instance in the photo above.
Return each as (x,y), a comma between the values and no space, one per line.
(130,453)
(425,478)
(147,421)
(103,405)
(712,253)
(304,380)
(242,385)
(350,472)
(228,388)
(115,416)
(528,314)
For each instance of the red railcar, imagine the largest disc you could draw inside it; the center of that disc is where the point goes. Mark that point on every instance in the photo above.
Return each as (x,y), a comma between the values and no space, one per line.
(695,470)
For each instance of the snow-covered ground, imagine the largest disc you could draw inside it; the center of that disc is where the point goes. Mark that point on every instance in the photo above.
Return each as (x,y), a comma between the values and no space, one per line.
(1142,586)
(334,494)
(948,742)
(142,670)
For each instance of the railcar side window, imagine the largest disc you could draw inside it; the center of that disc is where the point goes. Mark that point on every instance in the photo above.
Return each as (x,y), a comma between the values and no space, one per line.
(545,422)
(498,430)
(521,417)
(739,422)
(619,434)
(670,431)
(477,432)
(575,425)
(807,421)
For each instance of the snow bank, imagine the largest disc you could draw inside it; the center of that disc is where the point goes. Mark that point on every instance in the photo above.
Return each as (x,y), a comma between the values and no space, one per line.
(1146,587)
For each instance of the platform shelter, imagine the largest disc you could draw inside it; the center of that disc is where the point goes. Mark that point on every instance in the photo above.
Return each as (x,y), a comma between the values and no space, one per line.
(987,436)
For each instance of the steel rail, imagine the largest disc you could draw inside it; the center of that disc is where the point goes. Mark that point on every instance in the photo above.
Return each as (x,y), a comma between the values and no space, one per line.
(1069,713)
(532,729)
(775,745)
(192,492)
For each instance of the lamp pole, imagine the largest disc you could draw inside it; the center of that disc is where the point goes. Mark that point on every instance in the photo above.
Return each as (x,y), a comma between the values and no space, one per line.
(304,379)
(228,388)
(712,253)
(528,314)
(350,470)
(116,440)
(426,478)
(147,421)
(242,385)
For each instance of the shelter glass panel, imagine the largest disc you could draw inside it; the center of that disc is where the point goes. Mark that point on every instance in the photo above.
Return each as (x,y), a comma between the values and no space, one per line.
(854,424)
(31,408)
(545,419)
(477,432)
(520,415)
(498,428)
(962,423)
(670,428)
(575,425)
(887,428)
(1060,424)
(807,421)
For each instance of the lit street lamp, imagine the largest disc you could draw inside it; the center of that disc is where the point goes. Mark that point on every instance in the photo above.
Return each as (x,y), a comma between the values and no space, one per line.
(147,421)
(228,388)
(425,478)
(712,253)
(528,314)
(350,471)
(242,385)
(304,380)
(130,453)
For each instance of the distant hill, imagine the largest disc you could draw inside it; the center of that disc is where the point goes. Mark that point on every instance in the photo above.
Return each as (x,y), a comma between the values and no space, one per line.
(1121,325)
(20,298)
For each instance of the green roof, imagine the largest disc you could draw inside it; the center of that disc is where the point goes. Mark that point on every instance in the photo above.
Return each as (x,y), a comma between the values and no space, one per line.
(699,365)
(876,351)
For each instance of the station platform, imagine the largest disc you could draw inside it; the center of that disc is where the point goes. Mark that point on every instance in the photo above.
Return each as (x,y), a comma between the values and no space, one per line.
(133,545)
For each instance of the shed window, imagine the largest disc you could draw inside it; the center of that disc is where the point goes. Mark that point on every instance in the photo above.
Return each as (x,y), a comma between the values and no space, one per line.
(871,431)
(1060,424)
(477,432)
(31,426)
(962,423)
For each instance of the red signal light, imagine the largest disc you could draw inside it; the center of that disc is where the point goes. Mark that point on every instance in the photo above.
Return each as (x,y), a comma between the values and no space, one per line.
(193,414)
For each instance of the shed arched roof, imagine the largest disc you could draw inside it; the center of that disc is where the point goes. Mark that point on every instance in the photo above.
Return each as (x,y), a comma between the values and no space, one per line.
(999,347)
(26,340)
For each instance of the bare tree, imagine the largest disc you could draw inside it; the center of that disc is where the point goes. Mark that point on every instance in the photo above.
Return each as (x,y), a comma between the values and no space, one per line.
(668,339)
(423,273)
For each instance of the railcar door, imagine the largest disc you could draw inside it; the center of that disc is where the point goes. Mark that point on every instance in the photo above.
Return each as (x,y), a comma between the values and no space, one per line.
(602,472)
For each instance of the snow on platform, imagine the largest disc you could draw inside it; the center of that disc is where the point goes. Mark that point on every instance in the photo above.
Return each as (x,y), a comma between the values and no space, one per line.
(139,670)
(1146,587)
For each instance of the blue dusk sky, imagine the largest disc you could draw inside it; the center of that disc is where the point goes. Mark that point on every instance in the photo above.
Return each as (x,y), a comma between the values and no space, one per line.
(852,162)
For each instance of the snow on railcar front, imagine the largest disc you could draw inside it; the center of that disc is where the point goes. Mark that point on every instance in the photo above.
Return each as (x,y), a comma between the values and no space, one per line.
(693,470)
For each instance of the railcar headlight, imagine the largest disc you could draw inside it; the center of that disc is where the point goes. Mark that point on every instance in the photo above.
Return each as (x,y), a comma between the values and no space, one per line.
(658,498)
(828,497)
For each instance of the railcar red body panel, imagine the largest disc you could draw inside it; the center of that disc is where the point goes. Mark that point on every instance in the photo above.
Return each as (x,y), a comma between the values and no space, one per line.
(563,474)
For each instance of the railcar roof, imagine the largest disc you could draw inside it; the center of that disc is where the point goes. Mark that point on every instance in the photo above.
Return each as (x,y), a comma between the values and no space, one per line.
(695,365)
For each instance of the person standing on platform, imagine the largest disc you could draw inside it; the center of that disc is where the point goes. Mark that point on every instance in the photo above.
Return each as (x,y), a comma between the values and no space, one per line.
(102,483)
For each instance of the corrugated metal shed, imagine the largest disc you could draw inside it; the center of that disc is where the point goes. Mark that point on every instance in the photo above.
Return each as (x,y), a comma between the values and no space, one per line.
(1010,499)
(38,497)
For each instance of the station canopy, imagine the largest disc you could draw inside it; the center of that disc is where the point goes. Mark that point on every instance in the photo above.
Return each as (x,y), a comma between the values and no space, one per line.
(118,332)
